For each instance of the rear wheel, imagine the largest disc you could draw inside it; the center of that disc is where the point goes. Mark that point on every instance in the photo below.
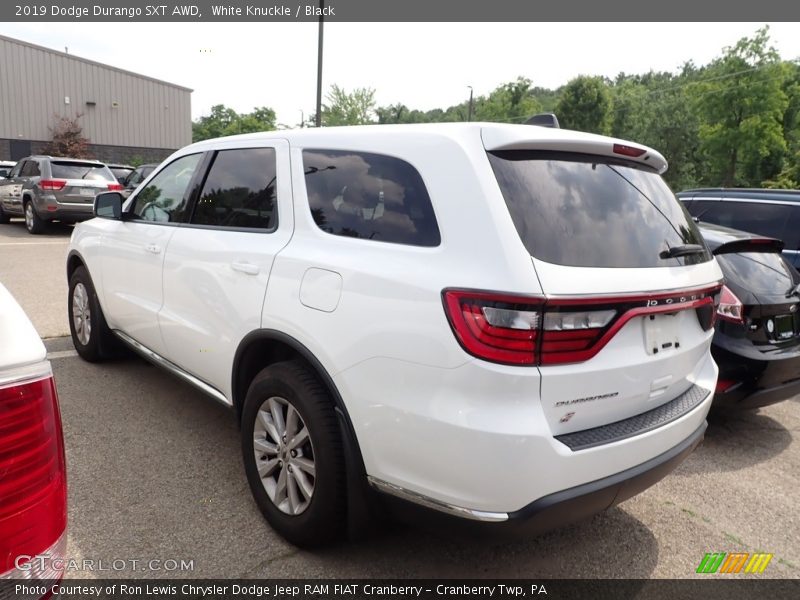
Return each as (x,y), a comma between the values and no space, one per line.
(90,334)
(293,454)
(4,218)
(33,222)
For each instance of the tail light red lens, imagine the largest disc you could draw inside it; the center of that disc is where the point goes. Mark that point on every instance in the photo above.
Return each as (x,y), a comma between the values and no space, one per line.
(628,150)
(33,487)
(115,187)
(530,330)
(52,185)
(730,308)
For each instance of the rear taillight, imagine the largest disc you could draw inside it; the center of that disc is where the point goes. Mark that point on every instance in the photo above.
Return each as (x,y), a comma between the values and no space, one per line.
(730,307)
(531,330)
(115,187)
(52,184)
(33,488)
(628,150)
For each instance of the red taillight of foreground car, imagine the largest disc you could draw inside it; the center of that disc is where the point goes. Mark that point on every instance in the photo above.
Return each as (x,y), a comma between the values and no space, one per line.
(531,330)
(730,308)
(52,185)
(115,187)
(33,486)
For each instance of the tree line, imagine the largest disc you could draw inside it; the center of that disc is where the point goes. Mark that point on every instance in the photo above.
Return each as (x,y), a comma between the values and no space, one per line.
(734,122)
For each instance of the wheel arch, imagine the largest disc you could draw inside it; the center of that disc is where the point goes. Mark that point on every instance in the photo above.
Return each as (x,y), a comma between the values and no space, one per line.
(263,347)
(75,260)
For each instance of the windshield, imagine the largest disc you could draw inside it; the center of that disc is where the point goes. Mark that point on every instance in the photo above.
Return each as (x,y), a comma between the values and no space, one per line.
(589,211)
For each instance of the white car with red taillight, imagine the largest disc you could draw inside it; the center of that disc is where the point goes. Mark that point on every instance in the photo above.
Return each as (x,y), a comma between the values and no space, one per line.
(33,485)
(505,324)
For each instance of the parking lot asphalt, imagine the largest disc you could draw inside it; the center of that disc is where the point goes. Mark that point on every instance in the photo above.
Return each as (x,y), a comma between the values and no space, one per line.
(155,474)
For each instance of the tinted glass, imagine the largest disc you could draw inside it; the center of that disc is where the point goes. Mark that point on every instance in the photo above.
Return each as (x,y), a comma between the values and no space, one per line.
(164,199)
(369,196)
(239,190)
(30,169)
(76,170)
(16,170)
(120,174)
(589,211)
(756,217)
(758,271)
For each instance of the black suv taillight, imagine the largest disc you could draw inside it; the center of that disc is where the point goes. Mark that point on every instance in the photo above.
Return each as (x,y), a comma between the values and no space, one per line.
(33,487)
(533,330)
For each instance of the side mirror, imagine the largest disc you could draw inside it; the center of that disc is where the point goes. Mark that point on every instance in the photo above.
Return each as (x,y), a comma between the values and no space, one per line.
(108,205)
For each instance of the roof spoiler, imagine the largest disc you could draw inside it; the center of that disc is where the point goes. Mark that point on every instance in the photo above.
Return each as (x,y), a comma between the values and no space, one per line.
(544,120)
(754,244)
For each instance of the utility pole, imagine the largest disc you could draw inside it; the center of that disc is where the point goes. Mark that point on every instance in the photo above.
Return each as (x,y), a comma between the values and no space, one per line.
(319,66)
(469,113)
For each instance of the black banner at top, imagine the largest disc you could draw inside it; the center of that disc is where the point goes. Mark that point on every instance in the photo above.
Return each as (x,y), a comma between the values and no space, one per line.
(399,10)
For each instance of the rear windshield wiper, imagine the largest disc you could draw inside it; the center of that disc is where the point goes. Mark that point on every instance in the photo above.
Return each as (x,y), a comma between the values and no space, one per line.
(684,250)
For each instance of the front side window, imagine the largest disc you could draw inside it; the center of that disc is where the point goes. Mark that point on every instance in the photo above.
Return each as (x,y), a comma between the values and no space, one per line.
(240,190)
(591,211)
(165,197)
(369,196)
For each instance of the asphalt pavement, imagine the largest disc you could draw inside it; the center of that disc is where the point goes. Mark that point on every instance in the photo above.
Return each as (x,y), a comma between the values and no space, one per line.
(155,474)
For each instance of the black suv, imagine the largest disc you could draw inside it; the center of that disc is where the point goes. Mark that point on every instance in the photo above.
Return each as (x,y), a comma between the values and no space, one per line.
(773,213)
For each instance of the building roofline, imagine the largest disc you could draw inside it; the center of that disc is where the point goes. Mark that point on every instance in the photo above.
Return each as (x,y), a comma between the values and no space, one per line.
(92,62)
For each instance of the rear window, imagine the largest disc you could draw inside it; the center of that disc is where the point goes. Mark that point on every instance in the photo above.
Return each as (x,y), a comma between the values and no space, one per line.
(76,170)
(120,173)
(589,211)
(763,272)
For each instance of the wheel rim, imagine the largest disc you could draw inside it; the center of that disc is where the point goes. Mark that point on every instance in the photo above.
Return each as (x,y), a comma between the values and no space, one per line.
(284,455)
(81,314)
(29,216)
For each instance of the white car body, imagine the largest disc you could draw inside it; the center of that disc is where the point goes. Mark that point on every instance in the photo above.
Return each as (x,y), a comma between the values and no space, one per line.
(434,424)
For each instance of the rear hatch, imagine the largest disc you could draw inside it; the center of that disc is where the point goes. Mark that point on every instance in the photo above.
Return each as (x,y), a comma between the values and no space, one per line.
(629,285)
(768,288)
(78,182)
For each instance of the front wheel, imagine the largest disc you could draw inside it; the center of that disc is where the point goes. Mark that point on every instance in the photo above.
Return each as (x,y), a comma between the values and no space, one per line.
(293,454)
(90,334)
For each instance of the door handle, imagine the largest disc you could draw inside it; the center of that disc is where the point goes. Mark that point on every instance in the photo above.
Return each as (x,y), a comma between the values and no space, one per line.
(153,248)
(245,267)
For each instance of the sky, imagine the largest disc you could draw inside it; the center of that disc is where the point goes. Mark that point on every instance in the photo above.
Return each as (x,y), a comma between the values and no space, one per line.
(422,65)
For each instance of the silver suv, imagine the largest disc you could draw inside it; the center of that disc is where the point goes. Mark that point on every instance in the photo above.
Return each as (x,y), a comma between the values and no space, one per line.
(45,188)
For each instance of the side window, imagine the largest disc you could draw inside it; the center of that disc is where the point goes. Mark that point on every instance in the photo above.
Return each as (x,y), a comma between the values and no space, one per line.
(16,170)
(369,196)
(165,197)
(239,190)
(30,169)
(792,234)
(755,217)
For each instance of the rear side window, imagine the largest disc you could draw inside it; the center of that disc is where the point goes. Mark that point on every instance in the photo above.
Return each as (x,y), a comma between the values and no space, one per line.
(239,190)
(75,170)
(30,169)
(369,196)
(756,217)
(589,211)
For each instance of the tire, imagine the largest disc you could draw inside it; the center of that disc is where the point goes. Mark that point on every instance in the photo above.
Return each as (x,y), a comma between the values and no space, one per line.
(305,520)
(90,334)
(4,218)
(33,222)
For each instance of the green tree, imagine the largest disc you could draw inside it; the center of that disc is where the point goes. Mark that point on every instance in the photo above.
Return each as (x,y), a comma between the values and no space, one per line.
(585,105)
(225,121)
(342,108)
(509,103)
(741,102)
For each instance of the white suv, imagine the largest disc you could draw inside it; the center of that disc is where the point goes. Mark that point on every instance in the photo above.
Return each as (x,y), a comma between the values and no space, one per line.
(506,324)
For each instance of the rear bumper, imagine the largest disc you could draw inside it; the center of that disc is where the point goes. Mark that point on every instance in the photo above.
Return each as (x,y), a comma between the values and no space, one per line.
(50,209)
(756,383)
(552,511)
